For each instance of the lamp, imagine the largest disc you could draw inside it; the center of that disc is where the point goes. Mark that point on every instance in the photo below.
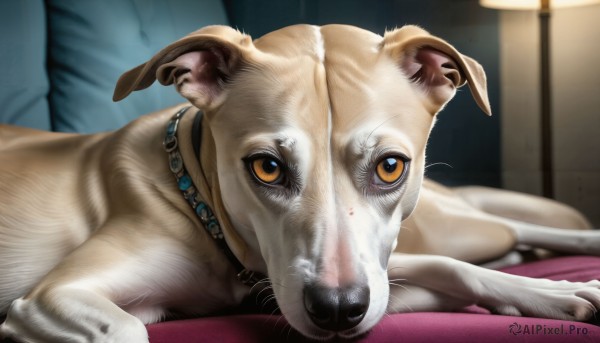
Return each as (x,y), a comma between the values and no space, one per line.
(532,4)
(544,7)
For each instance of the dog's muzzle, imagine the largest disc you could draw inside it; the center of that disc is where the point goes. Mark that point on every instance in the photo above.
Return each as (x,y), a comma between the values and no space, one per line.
(336,309)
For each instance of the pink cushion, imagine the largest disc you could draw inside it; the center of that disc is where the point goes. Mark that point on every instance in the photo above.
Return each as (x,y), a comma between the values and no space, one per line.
(475,325)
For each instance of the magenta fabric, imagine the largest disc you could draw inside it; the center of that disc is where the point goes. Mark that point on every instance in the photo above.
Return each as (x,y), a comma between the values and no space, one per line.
(474,325)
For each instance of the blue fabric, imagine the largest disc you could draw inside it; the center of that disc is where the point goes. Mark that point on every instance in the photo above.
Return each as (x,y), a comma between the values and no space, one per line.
(23,79)
(93,42)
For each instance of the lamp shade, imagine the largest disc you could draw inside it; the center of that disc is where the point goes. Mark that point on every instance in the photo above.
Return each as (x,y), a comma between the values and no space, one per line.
(533,4)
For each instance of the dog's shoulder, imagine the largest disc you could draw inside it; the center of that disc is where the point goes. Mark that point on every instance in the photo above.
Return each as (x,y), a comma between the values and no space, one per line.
(143,135)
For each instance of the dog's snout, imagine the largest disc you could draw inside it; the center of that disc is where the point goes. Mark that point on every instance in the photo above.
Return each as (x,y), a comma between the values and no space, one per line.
(336,309)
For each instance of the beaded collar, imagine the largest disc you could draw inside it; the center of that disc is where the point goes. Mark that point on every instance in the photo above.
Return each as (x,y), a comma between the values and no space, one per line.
(190,193)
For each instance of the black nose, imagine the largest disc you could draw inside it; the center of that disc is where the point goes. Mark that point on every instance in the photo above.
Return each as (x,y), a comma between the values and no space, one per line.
(336,309)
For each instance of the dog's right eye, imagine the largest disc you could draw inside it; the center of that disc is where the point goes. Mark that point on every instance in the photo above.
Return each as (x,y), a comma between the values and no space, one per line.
(267,170)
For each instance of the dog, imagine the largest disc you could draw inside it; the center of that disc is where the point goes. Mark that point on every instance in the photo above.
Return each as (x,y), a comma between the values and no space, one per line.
(297,159)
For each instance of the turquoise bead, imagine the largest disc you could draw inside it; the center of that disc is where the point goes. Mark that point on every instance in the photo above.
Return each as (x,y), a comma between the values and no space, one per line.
(184,182)
(203,212)
(171,128)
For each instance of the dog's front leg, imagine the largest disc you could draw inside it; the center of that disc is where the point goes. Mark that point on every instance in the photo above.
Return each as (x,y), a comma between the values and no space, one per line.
(444,283)
(75,302)
(70,314)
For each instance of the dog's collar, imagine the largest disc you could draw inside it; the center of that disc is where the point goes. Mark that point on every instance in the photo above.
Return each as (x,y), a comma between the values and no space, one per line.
(191,194)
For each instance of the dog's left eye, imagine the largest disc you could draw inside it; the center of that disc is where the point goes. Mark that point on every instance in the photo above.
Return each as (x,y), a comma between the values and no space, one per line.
(389,170)
(267,170)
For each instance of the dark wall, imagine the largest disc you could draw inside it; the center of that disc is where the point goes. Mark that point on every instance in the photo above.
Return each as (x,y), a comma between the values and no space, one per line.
(465,144)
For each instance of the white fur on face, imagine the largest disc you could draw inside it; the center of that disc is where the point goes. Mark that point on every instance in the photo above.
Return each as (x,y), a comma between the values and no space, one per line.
(319,44)
(329,231)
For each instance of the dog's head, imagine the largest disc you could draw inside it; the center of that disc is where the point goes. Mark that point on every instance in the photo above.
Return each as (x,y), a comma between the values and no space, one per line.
(319,137)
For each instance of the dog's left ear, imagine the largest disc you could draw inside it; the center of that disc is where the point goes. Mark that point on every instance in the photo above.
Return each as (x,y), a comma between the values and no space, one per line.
(435,67)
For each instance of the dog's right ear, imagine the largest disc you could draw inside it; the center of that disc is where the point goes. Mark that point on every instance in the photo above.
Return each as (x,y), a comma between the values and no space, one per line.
(198,64)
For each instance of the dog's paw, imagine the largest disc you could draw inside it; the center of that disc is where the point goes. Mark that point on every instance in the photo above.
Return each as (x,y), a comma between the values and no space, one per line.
(506,310)
(134,332)
(34,321)
(577,301)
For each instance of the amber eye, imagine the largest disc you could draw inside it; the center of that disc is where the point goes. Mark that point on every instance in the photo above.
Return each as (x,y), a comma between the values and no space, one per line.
(390,170)
(267,170)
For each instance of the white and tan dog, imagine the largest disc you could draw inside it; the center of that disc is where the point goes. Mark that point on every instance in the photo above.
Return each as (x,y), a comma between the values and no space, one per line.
(312,155)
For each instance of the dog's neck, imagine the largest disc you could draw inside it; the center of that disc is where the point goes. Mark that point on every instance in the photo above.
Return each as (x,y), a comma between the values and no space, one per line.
(198,153)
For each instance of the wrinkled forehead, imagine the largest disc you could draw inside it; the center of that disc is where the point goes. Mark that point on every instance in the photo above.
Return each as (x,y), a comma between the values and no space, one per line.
(322,80)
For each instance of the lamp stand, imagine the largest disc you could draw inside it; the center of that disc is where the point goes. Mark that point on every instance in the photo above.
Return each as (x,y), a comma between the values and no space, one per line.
(546,102)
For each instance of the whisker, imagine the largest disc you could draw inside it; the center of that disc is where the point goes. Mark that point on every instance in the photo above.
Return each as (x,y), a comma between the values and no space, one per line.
(272,314)
(268,299)
(283,329)
(399,302)
(438,164)
(394,280)
(277,322)
(260,282)
(399,285)
(289,332)
(266,289)
(381,124)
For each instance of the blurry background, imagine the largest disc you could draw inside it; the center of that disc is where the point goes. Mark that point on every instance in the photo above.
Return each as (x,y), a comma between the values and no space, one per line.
(61,59)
